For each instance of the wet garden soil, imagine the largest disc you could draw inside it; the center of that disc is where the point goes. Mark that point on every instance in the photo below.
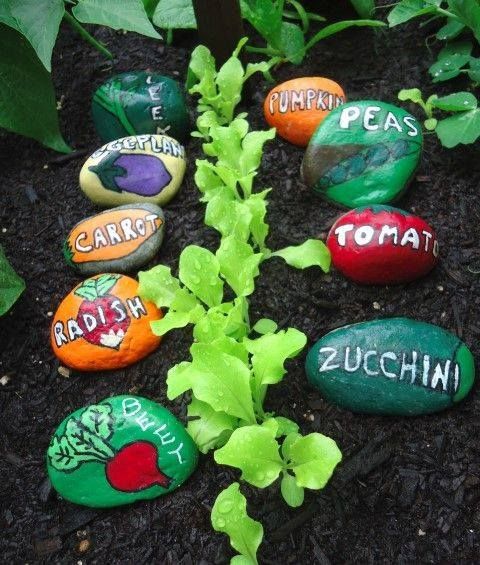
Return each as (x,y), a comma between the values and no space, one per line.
(408,489)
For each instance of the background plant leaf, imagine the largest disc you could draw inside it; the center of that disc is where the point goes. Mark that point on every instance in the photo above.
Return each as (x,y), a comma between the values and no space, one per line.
(11,284)
(463,128)
(209,429)
(311,253)
(175,14)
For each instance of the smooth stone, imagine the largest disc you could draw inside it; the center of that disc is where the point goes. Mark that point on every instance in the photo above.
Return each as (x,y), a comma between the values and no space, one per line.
(364,152)
(103,324)
(394,366)
(382,245)
(124,449)
(136,169)
(296,107)
(139,102)
(118,240)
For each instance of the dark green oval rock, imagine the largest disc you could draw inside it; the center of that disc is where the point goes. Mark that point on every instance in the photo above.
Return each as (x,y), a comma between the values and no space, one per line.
(140,103)
(395,366)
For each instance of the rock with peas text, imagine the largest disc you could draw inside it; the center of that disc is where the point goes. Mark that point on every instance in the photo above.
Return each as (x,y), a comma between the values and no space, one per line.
(124,449)
(118,240)
(137,169)
(104,324)
(363,153)
(382,245)
(140,102)
(395,366)
(296,107)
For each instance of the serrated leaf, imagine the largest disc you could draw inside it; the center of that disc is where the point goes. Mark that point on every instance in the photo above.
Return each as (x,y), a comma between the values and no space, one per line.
(257,206)
(291,492)
(62,455)
(158,285)
(98,420)
(238,265)
(170,321)
(252,150)
(198,271)
(462,128)
(228,216)
(457,102)
(175,14)
(225,320)
(311,253)
(208,428)
(11,284)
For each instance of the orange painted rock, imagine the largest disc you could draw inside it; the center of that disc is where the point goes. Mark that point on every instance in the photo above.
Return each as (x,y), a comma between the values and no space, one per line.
(117,240)
(298,106)
(103,324)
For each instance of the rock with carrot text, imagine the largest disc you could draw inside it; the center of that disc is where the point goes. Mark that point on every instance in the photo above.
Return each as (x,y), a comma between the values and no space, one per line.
(363,153)
(124,449)
(117,240)
(296,107)
(382,245)
(104,324)
(137,169)
(395,366)
(140,102)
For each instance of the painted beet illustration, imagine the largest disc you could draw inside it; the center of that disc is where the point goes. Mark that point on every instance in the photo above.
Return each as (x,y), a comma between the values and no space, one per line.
(145,175)
(132,468)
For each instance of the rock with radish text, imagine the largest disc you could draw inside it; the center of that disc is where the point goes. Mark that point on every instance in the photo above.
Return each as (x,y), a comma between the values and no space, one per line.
(363,153)
(136,169)
(118,240)
(104,324)
(382,245)
(395,366)
(125,448)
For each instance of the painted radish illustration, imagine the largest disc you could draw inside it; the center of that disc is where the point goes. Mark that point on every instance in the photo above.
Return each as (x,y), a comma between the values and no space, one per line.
(132,468)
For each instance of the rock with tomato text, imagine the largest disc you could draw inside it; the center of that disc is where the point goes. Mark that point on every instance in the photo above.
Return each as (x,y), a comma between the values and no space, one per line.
(104,324)
(136,169)
(395,366)
(382,245)
(364,152)
(140,102)
(118,240)
(296,107)
(124,449)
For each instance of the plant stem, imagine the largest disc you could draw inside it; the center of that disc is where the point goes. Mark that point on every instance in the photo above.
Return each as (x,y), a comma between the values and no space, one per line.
(448,14)
(84,33)
(264,51)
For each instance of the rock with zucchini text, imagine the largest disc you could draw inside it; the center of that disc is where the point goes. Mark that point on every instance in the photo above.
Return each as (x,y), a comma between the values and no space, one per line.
(117,240)
(363,153)
(296,107)
(139,102)
(124,449)
(104,324)
(395,366)
(382,245)
(137,169)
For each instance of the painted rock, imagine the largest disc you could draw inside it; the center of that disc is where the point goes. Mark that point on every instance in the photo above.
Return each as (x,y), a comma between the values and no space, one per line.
(297,106)
(142,168)
(125,448)
(118,240)
(363,153)
(104,324)
(382,245)
(395,366)
(140,102)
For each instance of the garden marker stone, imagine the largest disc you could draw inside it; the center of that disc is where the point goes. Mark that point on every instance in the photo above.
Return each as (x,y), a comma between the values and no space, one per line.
(142,168)
(382,245)
(140,102)
(363,153)
(104,324)
(125,448)
(395,366)
(296,107)
(117,240)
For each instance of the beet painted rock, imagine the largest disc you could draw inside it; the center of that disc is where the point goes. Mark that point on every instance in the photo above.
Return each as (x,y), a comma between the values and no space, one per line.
(139,102)
(363,153)
(124,449)
(382,245)
(296,107)
(118,240)
(137,169)
(104,324)
(394,366)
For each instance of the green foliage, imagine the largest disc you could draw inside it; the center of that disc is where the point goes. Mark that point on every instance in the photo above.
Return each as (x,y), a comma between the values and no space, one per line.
(11,285)
(364,8)
(174,14)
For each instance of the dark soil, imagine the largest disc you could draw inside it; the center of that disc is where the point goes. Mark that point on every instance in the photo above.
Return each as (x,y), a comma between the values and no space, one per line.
(408,489)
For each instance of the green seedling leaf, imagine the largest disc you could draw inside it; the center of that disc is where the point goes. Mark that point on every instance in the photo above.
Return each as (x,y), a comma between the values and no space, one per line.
(430,124)
(451,30)
(287,444)
(175,14)
(238,265)
(332,29)
(253,450)
(285,426)
(228,216)
(230,80)
(311,253)
(228,319)
(208,428)
(265,326)
(463,128)
(291,492)
(170,321)
(266,17)
(11,284)
(468,13)
(450,60)
(474,70)
(364,8)
(198,271)
(458,102)
(229,515)
(412,94)
(158,285)
(292,42)
(257,206)
(252,149)
(407,10)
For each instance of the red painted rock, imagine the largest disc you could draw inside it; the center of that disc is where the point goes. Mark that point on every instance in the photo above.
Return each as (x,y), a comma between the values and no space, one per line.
(382,245)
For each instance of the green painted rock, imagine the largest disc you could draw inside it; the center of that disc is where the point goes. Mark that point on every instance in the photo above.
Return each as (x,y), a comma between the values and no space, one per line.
(363,153)
(394,366)
(140,102)
(125,448)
